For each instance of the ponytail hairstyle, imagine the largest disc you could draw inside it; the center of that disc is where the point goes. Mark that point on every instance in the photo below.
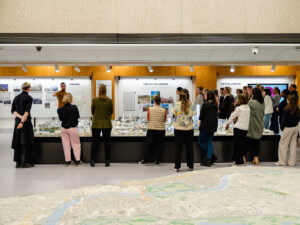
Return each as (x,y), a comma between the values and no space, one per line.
(211,97)
(185,102)
(292,106)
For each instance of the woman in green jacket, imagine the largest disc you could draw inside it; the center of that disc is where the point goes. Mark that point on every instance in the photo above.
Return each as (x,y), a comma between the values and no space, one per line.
(102,109)
(256,125)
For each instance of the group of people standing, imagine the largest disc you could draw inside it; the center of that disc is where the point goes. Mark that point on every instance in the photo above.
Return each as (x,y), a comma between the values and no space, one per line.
(251,111)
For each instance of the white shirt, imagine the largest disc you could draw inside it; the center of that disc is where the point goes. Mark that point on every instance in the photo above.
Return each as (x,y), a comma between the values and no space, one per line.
(242,113)
(268,104)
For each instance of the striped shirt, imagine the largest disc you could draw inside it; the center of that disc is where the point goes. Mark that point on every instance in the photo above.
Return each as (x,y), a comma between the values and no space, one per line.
(156,118)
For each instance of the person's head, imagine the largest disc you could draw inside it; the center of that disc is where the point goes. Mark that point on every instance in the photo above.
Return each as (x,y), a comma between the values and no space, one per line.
(199,90)
(245,92)
(285,93)
(102,91)
(178,90)
(221,91)
(216,92)
(63,86)
(293,87)
(157,100)
(276,91)
(211,97)
(185,102)
(68,98)
(292,105)
(257,86)
(239,91)
(26,86)
(256,95)
(242,99)
(267,91)
(249,90)
(227,91)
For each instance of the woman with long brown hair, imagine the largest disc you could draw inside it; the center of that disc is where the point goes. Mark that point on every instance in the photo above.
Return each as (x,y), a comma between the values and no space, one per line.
(208,125)
(184,111)
(289,125)
(102,109)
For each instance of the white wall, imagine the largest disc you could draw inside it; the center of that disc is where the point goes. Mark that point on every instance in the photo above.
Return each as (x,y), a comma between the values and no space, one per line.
(236,82)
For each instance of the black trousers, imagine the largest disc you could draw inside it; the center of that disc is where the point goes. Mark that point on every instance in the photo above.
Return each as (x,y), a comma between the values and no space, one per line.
(239,144)
(184,137)
(253,148)
(96,141)
(154,144)
(274,122)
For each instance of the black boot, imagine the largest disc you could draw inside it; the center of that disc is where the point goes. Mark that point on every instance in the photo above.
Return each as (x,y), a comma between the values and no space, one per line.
(18,164)
(206,162)
(107,163)
(26,165)
(92,163)
(213,159)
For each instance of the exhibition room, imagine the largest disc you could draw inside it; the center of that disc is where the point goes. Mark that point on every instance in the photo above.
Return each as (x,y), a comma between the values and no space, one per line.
(149,112)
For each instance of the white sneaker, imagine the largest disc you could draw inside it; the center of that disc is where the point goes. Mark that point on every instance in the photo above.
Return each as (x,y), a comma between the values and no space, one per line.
(277,164)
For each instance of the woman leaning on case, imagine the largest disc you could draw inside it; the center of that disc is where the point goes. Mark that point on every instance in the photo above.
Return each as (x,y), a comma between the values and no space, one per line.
(102,109)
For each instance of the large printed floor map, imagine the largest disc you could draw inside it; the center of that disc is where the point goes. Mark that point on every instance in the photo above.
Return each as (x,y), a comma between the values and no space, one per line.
(217,196)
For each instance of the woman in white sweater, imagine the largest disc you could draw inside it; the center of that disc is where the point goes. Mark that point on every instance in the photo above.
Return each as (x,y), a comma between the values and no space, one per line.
(240,116)
(268,108)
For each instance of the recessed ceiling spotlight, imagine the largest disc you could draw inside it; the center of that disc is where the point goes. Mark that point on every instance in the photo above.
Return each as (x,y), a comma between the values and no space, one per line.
(273,68)
(56,68)
(77,69)
(191,68)
(232,68)
(255,50)
(108,68)
(150,68)
(24,69)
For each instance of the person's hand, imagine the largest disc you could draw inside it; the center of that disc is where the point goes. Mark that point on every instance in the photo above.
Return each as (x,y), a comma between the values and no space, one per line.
(277,109)
(24,118)
(227,127)
(20,126)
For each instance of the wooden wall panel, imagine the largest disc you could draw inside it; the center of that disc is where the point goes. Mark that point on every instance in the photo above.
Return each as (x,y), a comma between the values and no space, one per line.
(206,79)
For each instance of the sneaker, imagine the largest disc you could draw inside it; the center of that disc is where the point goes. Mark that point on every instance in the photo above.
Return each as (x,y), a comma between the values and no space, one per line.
(92,163)
(277,164)
(26,165)
(190,169)
(143,163)
(68,163)
(79,163)
(176,169)
(156,163)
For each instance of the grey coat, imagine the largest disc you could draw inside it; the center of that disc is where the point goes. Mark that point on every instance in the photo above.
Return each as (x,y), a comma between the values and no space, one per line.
(256,122)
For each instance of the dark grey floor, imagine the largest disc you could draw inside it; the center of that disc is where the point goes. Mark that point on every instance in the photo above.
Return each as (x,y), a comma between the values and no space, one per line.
(49,178)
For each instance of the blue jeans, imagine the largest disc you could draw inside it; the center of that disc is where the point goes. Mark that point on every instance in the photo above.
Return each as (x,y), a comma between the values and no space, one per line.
(267,118)
(205,142)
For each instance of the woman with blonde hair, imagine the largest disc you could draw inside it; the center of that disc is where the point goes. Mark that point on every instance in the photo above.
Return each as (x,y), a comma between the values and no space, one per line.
(69,115)
(184,111)
(102,109)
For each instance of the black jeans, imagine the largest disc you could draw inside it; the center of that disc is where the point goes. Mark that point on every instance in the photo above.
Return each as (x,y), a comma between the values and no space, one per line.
(96,141)
(274,122)
(155,140)
(184,137)
(253,148)
(239,143)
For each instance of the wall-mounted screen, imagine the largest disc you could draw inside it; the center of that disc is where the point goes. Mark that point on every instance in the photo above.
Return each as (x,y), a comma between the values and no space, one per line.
(272,86)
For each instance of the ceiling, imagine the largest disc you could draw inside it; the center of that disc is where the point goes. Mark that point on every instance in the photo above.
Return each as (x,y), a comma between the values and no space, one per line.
(154,54)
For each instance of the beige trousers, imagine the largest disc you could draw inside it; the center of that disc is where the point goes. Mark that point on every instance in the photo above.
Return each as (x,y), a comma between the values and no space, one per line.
(288,140)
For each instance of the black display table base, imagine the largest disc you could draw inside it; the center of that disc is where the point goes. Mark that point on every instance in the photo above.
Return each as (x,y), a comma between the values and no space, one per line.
(130,149)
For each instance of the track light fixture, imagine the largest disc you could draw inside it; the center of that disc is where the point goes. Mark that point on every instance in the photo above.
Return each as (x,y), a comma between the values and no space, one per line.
(150,68)
(77,69)
(56,68)
(108,68)
(24,69)
(232,68)
(191,68)
(273,68)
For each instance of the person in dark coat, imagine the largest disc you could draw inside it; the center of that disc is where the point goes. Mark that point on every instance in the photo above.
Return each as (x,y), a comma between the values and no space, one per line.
(282,105)
(208,125)
(22,141)
(293,91)
(227,106)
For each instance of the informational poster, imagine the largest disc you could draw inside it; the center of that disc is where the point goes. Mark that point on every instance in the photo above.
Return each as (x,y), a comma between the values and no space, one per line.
(108,87)
(136,95)
(42,89)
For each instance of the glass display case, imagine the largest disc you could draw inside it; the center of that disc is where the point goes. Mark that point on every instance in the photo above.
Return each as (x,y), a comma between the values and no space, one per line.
(127,127)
